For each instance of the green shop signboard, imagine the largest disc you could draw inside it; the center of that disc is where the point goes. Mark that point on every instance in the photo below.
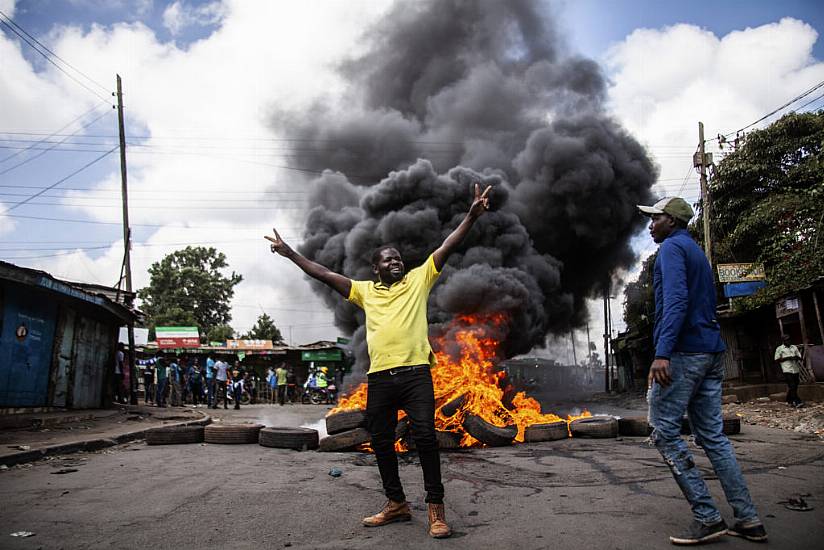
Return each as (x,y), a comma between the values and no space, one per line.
(321,355)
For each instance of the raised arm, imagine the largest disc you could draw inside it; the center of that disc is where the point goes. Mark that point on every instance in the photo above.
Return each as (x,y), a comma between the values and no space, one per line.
(479,205)
(323,274)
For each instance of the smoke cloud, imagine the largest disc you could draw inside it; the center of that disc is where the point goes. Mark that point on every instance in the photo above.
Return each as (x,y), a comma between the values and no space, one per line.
(449,93)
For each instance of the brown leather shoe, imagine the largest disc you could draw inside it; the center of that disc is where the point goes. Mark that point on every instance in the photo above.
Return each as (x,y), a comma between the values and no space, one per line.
(392,511)
(437,522)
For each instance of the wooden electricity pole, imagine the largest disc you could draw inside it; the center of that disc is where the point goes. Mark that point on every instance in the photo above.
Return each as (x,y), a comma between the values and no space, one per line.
(701,163)
(127,263)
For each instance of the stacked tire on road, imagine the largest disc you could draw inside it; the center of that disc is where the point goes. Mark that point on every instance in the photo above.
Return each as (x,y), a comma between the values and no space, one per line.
(174,435)
(552,431)
(598,427)
(299,439)
(346,429)
(232,434)
(345,420)
(344,441)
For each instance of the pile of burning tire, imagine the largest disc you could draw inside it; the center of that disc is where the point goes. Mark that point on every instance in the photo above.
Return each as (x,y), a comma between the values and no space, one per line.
(347,431)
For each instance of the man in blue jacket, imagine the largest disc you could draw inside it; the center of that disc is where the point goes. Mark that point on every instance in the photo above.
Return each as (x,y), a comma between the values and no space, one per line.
(686,377)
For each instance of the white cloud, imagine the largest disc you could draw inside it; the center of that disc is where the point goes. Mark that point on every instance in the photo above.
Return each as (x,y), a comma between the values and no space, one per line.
(180,15)
(666,80)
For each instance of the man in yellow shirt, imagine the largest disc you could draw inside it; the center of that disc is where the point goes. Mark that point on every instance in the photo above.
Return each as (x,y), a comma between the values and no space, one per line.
(397,336)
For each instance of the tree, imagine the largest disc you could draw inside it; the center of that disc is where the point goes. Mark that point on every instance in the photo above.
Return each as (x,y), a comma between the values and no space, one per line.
(639,300)
(265,329)
(220,333)
(768,205)
(187,287)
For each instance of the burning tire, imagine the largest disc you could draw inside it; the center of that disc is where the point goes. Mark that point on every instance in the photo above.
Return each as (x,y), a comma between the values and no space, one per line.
(452,406)
(489,434)
(448,440)
(174,435)
(232,434)
(634,426)
(598,427)
(546,432)
(731,426)
(344,441)
(299,439)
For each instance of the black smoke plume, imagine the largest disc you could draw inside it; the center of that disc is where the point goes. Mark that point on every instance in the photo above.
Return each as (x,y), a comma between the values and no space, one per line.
(454,92)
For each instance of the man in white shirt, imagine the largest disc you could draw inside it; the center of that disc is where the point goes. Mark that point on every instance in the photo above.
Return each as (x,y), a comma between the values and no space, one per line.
(788,358)
(221,376)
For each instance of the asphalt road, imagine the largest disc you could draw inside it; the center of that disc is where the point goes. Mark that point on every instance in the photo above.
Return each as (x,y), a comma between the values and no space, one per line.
(576,494)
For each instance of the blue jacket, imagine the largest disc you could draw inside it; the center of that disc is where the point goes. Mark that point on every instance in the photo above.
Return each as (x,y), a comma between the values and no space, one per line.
(684,299)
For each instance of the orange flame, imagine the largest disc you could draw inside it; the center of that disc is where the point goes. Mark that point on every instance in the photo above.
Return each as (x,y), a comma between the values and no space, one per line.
(472,375)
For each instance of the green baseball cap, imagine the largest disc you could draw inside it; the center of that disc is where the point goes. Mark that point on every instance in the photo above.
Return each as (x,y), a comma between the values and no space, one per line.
(676,207)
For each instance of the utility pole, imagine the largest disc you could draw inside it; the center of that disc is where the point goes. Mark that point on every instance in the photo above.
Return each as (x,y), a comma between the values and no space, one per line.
(574,356)
(127,245)
(606,335)
(589,345)
(701,163)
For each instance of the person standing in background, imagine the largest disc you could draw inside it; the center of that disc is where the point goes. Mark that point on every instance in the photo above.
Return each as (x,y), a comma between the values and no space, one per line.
(788,357)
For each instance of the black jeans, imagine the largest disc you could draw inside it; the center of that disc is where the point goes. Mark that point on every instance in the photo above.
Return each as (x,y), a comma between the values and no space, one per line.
(412,392)
(281,393)
(792,388)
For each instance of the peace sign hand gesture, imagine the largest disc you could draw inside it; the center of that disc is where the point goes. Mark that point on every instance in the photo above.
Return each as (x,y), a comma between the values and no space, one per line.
(278,245)
(481,202)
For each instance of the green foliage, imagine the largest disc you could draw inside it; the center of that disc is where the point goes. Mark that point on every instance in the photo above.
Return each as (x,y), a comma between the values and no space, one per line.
(768,205)
(639,300)
(188,288)
(220,333)
(264,329)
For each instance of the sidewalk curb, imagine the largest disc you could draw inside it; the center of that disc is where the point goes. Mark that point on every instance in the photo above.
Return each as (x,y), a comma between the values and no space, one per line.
(89,445)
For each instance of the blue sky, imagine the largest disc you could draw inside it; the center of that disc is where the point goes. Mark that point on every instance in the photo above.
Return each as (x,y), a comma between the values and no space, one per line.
(689,65)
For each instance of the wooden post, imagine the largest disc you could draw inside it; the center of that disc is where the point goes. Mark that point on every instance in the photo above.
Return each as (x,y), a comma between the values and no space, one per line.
(807,375)
(818,316)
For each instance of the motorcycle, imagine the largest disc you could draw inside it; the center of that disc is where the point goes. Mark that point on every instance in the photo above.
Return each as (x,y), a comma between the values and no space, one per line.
(318,396)
(245,395)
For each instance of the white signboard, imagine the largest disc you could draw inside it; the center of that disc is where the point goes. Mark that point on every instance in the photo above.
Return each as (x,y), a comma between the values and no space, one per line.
(141,336)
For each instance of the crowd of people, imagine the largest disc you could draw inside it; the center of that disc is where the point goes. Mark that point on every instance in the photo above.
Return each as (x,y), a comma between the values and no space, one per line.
(179,381)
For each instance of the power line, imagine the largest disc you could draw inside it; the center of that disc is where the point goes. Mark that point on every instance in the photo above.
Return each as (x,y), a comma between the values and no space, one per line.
(774,111)
(46,150)
(58,182)
(8,22)
(811,101)
(53,134)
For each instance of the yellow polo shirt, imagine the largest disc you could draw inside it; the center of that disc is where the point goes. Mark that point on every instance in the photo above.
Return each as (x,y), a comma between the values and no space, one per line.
(397,330)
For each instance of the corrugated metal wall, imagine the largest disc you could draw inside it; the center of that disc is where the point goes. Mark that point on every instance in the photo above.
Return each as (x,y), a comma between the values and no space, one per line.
(52,354)
(28,320)
(93,349)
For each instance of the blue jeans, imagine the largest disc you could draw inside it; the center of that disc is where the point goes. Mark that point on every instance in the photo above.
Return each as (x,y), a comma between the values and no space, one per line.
(412,392)
(160,398)
(696,390)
